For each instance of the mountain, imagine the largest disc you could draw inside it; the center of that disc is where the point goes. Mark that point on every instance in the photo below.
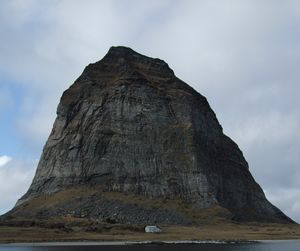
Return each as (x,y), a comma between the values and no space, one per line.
(132,143)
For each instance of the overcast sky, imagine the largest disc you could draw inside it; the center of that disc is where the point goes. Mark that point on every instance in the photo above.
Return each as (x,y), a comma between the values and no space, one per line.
(244,56)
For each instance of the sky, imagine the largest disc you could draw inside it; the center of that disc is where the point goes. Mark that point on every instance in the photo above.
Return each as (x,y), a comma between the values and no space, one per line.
(243,55)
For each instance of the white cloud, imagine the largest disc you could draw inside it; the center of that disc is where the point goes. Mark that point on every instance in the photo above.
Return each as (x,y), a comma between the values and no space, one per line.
(288,200)
(266,128)
(15,178)
(4,160)
(242,55)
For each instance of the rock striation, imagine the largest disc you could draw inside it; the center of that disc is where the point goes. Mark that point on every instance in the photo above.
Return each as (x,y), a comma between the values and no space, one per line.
(129,125)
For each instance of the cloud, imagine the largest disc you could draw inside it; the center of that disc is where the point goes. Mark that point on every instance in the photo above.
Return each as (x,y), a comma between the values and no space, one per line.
(15,178)
(242,55)
(288,200)
(45,47)
(4,160)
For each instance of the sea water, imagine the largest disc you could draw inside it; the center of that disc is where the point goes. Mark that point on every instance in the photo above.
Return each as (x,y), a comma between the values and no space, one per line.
(293,245)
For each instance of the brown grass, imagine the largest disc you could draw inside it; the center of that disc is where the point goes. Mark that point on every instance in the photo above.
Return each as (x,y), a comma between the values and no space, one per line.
(175,233)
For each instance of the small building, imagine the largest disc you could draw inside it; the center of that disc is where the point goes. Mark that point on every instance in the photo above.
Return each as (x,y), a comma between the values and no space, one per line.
(152,229)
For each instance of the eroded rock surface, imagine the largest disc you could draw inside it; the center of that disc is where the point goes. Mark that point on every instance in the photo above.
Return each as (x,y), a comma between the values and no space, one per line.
(130,125)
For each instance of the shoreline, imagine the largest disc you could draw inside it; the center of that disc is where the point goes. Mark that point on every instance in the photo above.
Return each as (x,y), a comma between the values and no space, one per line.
(121,243)
(147,242)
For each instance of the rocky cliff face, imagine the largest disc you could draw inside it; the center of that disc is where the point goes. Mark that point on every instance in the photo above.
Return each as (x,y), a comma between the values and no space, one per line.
(129,125)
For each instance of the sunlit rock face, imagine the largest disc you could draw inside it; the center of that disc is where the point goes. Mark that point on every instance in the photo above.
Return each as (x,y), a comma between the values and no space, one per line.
(128,124)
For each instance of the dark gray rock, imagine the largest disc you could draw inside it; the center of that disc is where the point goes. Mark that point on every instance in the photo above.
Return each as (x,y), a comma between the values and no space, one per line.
(130,125)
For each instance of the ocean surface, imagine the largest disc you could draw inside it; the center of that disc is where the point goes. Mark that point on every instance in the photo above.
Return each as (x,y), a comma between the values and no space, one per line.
(260,246)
